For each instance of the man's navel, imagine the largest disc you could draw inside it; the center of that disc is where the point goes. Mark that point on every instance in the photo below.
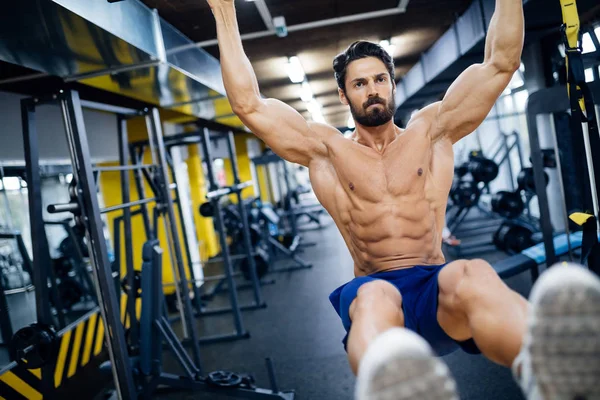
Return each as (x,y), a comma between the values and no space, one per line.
(420,171)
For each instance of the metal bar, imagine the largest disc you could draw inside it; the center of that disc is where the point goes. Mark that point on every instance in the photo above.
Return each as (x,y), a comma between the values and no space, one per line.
(171,343)
(150,180)
(23,78)
(107,296)
(163,180)
(226,310)
(123,167)
(288,194)
(157,302)
(62,208)
(244,217)
(92,105)
(228,190)
(83,273)
(139,183)
(148,313)
(195,288)
(201,386)
(151,144)
(233,297)
(176,278)
(39,241)
(561,186)
(306,26)
(265,14)
(223,338)
(6,330)
(78,321)
(591,171)
(272,379)
(123,138)
(127,205)
(540,181)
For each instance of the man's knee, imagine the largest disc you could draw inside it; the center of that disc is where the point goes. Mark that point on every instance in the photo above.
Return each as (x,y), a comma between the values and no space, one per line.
(467,281)
(376,296)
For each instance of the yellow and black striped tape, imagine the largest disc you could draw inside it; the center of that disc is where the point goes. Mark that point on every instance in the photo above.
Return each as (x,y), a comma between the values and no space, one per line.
(77,348)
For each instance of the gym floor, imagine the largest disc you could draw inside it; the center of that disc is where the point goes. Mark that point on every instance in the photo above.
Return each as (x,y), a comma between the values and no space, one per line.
(302,334)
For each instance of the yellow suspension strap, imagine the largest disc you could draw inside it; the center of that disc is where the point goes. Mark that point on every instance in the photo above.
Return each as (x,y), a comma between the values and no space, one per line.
(583,118)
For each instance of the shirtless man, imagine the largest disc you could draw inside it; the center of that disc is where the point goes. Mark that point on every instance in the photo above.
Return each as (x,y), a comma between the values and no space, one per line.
(387,189)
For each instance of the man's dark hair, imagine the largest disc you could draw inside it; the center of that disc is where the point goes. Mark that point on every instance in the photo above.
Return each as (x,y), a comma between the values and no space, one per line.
(356,51)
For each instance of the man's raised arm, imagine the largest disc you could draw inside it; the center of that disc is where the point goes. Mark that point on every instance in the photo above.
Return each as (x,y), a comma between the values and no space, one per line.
(277,124)
(471,97)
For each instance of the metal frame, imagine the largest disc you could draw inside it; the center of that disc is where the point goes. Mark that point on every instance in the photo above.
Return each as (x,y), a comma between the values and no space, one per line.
(549,101)
(88,213)
(198,137)
(276,247)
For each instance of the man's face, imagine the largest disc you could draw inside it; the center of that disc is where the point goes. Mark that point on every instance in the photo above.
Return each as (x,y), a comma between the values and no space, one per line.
(369,92)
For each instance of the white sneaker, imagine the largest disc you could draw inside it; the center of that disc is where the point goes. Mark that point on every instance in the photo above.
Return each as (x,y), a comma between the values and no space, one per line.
(560,358)
(400,365)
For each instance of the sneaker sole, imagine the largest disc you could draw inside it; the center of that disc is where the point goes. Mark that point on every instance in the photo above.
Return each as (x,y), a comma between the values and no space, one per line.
(400,365)
(565,333)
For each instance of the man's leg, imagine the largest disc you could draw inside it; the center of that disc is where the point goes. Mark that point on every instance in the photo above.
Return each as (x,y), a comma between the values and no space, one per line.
(392,362)
(376,308)
(475,302)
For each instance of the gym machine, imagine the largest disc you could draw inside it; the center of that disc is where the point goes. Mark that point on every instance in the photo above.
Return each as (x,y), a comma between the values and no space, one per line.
(554,101)
(285,240)
(15,286)
(213,209)
(471,182)
(34,346)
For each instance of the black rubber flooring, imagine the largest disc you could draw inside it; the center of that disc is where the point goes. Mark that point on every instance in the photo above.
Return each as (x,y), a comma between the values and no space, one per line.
(301,333)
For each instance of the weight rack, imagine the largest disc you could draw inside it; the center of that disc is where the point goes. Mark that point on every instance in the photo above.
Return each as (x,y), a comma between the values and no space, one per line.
(84,205)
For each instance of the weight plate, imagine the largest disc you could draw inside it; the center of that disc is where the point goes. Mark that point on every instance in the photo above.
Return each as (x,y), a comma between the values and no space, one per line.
(34,346)
(224,379)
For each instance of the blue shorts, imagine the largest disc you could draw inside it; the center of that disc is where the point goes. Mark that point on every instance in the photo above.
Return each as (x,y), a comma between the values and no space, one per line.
(419,289)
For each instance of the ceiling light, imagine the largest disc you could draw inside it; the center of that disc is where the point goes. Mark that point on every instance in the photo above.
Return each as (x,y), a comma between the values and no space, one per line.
(318,117)
(306,93)
(295,70)
(388,46)
(351,124)
(313,106)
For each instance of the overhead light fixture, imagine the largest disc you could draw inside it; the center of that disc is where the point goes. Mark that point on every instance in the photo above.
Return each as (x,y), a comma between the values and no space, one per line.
(314,108)
(295,70)
(351,124)
(306,93)
(318,117)
(388,46)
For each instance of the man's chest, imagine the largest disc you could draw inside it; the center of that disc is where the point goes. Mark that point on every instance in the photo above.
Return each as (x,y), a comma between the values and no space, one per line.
(363,173)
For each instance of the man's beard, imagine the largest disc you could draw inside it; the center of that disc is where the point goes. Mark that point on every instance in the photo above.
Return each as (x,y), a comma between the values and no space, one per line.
(375,116)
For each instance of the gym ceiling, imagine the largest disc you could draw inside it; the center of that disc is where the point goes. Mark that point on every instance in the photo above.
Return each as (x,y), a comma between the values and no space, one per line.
(411,32)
